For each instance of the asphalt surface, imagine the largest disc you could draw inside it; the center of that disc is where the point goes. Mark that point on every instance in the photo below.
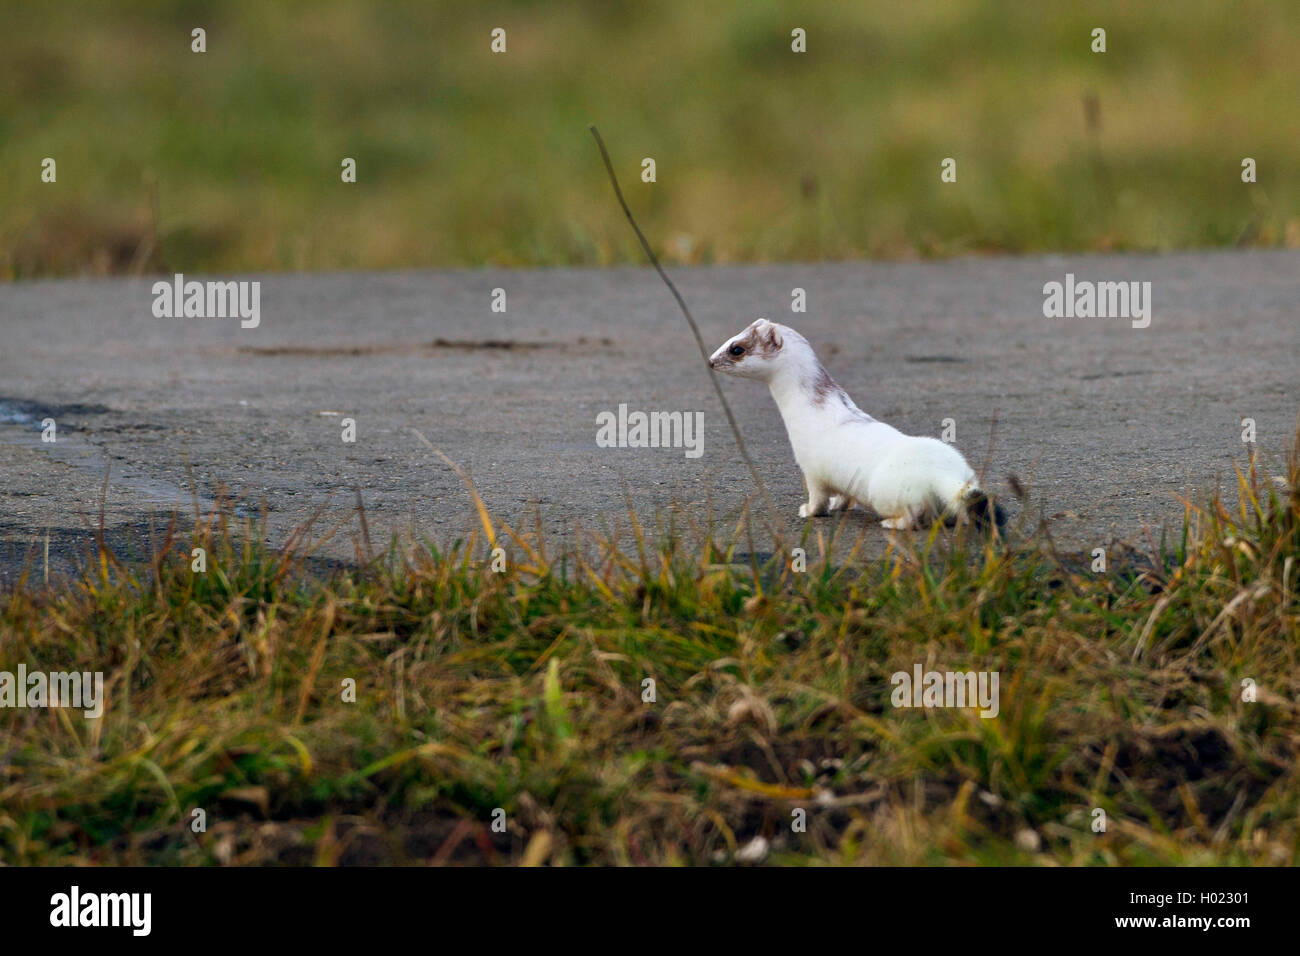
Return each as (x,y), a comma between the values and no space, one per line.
(1108,425)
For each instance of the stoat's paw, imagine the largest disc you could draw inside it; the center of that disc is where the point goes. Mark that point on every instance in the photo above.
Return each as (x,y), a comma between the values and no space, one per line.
(803,511)
(897,524)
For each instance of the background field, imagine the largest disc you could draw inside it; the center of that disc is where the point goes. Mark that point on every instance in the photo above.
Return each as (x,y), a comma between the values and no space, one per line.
(470,158)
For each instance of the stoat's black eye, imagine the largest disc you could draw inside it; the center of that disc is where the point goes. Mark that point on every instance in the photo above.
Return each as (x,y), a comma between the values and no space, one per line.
(737,350)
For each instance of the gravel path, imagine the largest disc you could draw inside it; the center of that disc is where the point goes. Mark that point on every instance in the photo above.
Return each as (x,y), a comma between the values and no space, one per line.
(1107,424)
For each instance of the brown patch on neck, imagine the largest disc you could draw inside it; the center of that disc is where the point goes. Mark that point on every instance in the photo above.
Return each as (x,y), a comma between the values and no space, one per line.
(823,387)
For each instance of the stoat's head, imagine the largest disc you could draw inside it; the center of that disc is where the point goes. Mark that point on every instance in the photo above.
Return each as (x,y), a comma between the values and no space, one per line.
(759,351)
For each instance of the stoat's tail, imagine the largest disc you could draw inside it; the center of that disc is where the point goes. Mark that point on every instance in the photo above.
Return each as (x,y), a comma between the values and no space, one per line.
(985,513)
(964,497)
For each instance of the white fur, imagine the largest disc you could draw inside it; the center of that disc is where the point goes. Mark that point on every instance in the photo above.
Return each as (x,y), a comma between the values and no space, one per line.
(845,454)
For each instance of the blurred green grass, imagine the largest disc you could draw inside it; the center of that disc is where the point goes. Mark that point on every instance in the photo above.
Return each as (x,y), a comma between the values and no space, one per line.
(468,158)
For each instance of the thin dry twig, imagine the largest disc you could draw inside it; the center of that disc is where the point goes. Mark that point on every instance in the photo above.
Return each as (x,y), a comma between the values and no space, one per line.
(774,520)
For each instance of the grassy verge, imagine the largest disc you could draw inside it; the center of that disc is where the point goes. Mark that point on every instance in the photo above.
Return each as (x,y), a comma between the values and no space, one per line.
(519,695)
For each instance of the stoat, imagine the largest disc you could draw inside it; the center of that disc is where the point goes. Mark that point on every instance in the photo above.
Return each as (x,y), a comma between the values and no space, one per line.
(845,454)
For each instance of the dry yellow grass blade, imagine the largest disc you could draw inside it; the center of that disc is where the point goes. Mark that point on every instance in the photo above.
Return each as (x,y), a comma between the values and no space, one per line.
(483,516)
(538,849)
(317,661)
(776,791)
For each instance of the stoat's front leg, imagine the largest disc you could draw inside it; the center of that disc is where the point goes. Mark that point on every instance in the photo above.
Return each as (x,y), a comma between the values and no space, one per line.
(907,521)
(819,499)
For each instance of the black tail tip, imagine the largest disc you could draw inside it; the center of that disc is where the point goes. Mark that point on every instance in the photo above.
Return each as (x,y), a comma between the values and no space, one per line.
(985,513)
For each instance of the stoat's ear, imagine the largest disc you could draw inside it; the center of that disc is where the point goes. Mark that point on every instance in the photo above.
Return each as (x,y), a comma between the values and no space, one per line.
(771,336)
